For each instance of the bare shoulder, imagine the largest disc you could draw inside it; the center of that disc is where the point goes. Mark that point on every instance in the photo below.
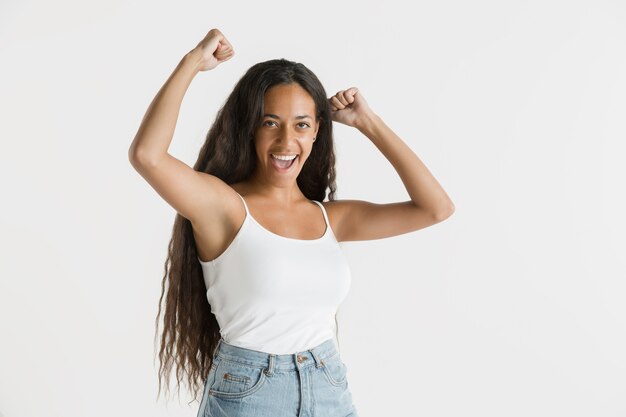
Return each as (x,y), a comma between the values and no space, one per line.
(335,210)
(221,201)
(217,225)
(338,212)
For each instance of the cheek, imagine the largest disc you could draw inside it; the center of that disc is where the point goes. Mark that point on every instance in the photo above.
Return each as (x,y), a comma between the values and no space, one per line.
(261,146)
(306,156)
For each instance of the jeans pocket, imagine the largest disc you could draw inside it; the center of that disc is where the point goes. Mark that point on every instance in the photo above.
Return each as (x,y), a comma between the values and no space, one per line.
(205,391)
(335,370)
(235,379)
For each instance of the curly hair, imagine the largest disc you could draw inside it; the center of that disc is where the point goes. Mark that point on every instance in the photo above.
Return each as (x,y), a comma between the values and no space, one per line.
(190,331)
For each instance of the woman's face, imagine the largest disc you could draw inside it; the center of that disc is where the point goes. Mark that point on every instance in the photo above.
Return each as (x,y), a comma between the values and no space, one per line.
(287,128)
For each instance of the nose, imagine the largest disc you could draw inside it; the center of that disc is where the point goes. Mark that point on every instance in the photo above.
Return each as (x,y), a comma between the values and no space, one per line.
(288,134)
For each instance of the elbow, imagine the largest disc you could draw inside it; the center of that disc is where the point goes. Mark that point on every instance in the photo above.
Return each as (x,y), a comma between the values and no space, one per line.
(135,159)
(132,155)
(138,158)
(441,215)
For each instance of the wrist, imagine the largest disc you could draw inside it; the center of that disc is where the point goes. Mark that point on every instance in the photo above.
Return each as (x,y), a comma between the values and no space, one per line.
(367,122)
(194,58)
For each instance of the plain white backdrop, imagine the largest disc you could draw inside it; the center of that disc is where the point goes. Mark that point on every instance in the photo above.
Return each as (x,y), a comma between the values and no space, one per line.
(514,306)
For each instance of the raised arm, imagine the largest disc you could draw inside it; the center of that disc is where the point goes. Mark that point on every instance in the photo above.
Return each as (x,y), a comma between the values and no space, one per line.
(364,220)
(424,190)
(157,127)
(192,194)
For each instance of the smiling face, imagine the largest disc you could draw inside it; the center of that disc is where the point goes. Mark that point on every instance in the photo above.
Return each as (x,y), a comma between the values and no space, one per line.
(287,128)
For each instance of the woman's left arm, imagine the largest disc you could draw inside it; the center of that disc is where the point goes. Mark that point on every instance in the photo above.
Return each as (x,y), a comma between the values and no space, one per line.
(363,220)
(424,190)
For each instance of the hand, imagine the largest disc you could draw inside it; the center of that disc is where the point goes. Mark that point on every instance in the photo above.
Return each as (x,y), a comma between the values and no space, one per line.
(349,107)
(213,50)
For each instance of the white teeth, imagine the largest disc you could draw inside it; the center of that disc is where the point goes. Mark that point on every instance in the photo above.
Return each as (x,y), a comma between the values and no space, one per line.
(284,157)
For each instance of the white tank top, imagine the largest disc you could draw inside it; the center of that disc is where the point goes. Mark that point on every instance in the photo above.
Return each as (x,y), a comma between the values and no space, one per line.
(277,294)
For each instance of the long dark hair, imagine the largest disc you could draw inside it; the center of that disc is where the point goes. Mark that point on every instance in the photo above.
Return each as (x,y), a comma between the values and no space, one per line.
(190,331)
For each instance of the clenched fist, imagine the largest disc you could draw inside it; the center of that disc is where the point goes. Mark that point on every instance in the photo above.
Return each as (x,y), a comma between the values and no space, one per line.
(349,107)
(214,49)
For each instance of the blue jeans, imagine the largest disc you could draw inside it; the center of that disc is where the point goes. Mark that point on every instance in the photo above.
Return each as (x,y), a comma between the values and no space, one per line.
(244,382)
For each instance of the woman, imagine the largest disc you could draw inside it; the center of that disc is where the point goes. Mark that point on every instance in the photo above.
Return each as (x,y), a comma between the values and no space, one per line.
(253,238)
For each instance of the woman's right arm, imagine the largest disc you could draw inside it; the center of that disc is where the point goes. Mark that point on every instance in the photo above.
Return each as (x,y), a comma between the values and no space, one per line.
(157,127)
(189,192)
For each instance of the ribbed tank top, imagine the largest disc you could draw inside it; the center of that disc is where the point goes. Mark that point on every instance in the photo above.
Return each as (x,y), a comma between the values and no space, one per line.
(277,294)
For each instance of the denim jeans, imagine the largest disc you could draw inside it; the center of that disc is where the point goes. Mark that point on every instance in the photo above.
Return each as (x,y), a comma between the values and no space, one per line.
(244,382)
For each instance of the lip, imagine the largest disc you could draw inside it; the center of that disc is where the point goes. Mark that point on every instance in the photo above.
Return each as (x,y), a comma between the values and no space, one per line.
(284,154)
(281,170)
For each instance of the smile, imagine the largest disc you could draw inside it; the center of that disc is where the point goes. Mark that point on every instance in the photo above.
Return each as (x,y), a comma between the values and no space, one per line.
(283,163)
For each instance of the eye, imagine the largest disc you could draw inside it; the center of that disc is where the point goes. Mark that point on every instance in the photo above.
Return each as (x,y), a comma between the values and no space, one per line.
(271,121)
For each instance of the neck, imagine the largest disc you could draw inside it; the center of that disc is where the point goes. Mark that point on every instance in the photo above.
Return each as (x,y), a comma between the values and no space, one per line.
(284,194)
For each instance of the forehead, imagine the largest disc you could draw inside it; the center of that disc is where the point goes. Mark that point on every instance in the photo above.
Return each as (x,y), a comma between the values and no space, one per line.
(288,98)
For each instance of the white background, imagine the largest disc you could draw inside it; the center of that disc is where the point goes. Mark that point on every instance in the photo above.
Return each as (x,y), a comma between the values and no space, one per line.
(514,306)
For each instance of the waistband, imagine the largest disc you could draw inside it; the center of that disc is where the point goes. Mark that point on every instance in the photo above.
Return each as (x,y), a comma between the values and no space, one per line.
(285,362)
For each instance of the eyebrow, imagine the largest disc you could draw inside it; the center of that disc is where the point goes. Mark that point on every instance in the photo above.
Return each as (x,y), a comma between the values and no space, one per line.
(302,116)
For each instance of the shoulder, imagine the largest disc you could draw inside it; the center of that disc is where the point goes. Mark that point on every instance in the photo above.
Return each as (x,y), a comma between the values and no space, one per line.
(336,211)
(334,208)
(339,209)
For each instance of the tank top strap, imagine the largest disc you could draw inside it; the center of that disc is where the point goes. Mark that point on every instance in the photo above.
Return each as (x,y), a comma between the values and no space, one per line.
(244,204)
(323,212)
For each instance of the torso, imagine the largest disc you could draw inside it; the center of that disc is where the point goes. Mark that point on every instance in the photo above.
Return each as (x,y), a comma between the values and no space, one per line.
(305,221)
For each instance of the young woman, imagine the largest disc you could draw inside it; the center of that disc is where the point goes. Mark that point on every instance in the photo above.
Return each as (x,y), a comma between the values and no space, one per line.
(255,273)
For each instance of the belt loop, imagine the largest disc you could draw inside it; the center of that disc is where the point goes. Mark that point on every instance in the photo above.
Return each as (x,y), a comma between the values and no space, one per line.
(270,369)
(217,347)
(318,362)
